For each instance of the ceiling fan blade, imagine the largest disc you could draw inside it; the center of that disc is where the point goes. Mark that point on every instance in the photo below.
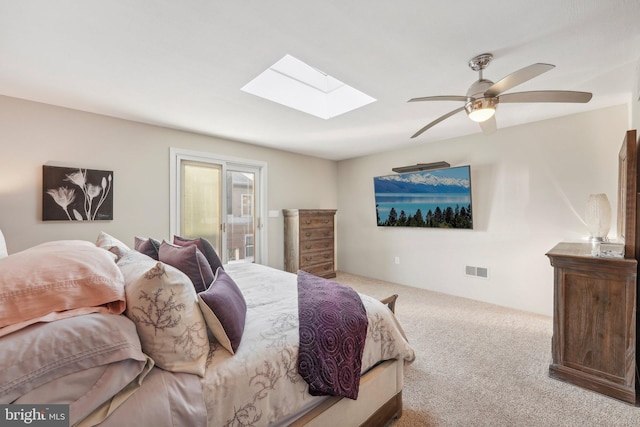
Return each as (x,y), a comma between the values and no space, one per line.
(440,98)
(516,78)
(438,120)
(547,96)
(489,126)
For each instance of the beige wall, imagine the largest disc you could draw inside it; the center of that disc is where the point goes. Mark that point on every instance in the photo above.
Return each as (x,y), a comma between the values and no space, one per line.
(530,184)
(635,101)
(33,134)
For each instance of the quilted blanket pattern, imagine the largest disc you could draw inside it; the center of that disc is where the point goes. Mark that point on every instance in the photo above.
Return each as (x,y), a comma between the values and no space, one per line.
(333,329)
(260,386)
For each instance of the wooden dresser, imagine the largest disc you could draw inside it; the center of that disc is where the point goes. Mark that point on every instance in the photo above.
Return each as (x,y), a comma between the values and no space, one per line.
(594,321)
(309,242)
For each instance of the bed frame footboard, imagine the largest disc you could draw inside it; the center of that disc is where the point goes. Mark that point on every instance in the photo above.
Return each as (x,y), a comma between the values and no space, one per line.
(379,401)
(389,411)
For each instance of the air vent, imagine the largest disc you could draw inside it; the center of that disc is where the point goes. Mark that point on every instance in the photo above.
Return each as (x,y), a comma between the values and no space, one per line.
(481,272)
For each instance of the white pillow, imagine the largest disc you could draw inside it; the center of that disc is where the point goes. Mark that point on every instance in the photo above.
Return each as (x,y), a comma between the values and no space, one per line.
(3,246)
(113,245)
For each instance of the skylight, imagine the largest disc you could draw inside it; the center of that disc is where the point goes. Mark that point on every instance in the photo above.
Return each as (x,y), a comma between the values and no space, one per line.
(295,84)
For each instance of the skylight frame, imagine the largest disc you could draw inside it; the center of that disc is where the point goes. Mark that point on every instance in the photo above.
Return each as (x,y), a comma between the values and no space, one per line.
(295,84)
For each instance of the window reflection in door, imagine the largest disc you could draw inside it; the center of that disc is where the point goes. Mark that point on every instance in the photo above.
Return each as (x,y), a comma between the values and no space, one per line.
(240,215)
(200,201)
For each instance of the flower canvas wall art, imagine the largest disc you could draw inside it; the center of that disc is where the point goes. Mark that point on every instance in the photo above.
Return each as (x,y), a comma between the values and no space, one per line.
(76,194)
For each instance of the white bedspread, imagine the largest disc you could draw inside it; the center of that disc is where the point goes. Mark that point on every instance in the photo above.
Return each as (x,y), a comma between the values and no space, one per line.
(260,384)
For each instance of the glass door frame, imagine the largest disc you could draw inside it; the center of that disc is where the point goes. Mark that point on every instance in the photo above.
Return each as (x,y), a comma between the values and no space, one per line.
(177,155)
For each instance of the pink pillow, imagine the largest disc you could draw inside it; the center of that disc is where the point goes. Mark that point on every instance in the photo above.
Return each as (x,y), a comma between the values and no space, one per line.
(57,280)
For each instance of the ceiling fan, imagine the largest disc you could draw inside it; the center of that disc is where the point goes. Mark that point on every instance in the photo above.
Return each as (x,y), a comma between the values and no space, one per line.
(483,96)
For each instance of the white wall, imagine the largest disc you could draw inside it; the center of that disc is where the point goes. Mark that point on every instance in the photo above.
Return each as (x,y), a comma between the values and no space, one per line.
(33,134)
(530,184)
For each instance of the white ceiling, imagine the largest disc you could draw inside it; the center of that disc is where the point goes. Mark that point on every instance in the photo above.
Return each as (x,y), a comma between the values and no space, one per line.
(181,64)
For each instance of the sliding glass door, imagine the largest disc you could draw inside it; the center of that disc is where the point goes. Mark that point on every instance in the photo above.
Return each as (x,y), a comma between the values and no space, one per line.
(221,200)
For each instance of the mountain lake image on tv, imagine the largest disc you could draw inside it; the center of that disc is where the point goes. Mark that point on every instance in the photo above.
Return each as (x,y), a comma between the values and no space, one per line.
(432,199)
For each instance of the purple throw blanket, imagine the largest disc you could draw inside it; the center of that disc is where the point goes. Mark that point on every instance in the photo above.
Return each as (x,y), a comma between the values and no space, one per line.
(333,329)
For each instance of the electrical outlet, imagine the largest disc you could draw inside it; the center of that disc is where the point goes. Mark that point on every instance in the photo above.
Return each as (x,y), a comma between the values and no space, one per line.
(396,260)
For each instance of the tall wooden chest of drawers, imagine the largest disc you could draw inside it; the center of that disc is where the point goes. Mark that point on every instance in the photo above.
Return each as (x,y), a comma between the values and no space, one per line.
(309,241)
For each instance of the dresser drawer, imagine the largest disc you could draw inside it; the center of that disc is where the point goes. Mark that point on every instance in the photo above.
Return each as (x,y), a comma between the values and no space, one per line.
(313,258)
(317,221)
(322,270)
(315,233)
(316,245)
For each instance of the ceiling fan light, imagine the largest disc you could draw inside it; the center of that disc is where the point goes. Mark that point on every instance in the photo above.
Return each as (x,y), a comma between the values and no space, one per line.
(480,110)
(482,115)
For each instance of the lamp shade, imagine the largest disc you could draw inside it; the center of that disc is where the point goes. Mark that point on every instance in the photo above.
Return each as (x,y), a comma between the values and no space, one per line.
(598,217)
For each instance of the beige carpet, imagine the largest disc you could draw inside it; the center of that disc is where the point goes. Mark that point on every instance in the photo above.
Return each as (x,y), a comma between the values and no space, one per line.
(479,364)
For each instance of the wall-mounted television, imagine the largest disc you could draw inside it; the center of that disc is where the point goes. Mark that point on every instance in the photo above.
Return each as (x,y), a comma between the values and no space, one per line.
(433,199)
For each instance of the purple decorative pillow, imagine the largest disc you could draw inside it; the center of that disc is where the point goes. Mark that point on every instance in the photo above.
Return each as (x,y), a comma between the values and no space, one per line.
(149,247)
(224,310)
(205,247)
(190,261)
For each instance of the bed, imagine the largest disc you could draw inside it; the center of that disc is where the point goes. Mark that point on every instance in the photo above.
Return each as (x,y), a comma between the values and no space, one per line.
(120,338)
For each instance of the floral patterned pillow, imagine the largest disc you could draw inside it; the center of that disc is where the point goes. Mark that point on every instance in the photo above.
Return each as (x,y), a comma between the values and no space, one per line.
(163,304)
